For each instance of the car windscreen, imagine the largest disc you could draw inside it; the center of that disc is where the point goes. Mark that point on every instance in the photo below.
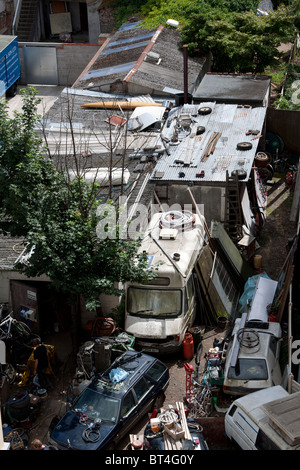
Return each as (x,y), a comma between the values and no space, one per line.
(249,369)
(97,406)
(154,302)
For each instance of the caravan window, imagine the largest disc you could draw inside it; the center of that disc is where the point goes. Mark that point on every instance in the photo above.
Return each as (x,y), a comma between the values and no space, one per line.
(249,369)
(153,302)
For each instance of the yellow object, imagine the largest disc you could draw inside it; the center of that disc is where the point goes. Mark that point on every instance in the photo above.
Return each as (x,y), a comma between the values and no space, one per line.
(257,261)
(28,373)
(117,104)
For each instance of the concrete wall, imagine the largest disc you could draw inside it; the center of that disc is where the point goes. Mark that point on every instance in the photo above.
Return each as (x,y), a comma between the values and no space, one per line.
(7,276)
(286,124)
(71,60)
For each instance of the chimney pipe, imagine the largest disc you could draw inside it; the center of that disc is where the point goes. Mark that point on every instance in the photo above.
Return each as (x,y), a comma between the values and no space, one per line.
(185,73)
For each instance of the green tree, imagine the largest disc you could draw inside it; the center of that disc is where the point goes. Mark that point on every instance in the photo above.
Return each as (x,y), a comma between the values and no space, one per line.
(58,217)
(239,42)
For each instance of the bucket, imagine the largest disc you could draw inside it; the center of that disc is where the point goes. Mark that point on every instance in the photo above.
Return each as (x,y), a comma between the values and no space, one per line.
(18,406)
(261,160)
(222,321)
(257,261)
(188,346)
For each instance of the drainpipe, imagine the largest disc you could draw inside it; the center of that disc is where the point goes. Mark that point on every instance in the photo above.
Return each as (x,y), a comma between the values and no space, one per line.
(185,73)
(16,17)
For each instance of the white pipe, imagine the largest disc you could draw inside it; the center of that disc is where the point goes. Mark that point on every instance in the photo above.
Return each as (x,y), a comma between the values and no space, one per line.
(16,16)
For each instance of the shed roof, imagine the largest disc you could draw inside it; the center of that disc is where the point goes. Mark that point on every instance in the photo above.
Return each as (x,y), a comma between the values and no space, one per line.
(188,159)
(134,57)
(235,89)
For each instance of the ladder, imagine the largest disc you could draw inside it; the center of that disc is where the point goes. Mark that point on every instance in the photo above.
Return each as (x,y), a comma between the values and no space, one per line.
(233,212)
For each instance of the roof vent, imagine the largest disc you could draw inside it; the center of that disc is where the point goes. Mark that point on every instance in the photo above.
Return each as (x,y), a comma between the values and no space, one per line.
(168,234)
(172,23)
(153,57)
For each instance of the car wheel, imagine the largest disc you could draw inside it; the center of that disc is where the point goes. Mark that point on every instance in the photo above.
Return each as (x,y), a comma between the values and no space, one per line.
(244,146)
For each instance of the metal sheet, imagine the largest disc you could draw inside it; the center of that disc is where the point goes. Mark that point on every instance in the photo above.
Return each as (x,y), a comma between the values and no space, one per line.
(40,65)
(232,122)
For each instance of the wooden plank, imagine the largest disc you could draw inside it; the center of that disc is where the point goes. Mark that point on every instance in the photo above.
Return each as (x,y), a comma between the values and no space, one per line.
(118,104)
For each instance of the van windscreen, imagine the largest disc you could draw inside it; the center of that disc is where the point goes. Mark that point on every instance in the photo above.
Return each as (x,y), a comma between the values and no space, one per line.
(249,369)
(154,302)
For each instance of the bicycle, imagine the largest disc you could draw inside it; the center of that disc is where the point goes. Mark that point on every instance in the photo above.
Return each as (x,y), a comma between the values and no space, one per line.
(202,402)
(10,328)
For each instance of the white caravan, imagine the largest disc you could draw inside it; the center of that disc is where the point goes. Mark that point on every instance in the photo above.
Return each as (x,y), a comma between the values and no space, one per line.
(158,314)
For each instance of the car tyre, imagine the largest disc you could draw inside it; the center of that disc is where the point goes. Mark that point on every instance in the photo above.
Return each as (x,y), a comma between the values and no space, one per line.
(204,111)
(244,146)
(241,174)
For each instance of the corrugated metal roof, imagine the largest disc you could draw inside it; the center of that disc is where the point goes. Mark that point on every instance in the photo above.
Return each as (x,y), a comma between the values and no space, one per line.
(187,160)
(124,60)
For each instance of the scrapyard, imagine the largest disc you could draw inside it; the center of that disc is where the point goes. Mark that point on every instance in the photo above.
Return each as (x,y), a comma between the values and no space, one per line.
(167,366)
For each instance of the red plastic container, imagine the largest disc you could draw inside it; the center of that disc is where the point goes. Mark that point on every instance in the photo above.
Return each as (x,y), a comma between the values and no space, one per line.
(188,346)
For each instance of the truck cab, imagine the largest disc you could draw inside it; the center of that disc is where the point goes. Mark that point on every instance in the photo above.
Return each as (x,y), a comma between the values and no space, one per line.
(159,313)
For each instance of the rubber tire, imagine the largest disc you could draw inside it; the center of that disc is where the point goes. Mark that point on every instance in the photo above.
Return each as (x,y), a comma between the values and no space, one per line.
(244,146)
(241,174)
(200,130)
(204,111)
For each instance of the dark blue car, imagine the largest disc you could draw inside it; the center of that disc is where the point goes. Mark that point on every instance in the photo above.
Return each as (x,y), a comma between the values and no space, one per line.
(112,404)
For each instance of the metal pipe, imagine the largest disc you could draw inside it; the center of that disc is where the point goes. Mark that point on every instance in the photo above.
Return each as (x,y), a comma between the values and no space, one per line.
(185,73)
(16,16)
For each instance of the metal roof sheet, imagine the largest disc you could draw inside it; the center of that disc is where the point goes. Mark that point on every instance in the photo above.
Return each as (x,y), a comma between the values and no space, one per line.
(186,160)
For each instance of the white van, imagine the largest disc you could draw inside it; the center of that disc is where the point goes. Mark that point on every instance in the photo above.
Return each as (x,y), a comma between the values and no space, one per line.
(249,423)
(159,314)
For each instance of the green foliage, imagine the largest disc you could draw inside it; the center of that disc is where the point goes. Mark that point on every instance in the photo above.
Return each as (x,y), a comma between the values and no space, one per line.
(239,39)
(277,75)
(239,42)
(58,217)
(290,100)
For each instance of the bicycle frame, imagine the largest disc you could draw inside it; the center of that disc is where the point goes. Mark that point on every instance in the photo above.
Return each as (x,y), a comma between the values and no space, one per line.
(6,333)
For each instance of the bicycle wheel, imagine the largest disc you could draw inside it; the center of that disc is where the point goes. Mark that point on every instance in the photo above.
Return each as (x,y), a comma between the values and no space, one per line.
(21,330)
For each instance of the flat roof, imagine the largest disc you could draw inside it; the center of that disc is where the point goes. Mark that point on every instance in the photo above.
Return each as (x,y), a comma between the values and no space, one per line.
(208,143)
(232,88)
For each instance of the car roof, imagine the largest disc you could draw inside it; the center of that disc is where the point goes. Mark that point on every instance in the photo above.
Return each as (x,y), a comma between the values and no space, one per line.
(131,366)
